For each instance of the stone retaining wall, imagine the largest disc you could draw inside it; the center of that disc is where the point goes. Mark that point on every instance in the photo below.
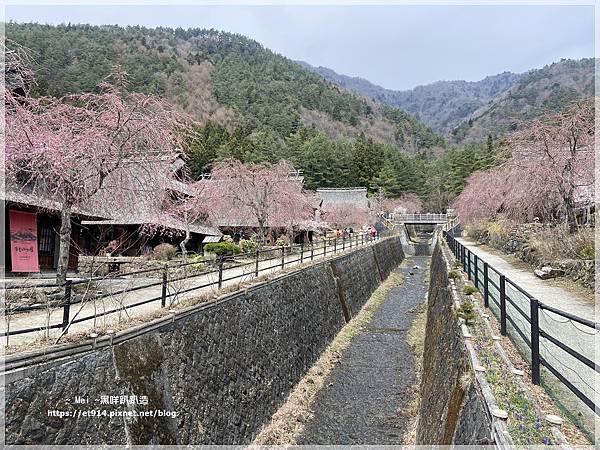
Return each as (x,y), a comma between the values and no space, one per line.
(224,368)
(452,407)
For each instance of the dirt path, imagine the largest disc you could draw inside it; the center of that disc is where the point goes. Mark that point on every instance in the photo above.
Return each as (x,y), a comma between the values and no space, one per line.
(364,397)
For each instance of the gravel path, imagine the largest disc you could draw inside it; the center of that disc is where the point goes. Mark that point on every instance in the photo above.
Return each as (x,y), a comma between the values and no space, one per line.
(365,393)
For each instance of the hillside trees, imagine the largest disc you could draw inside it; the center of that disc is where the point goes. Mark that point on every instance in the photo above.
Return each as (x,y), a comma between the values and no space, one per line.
(210,75)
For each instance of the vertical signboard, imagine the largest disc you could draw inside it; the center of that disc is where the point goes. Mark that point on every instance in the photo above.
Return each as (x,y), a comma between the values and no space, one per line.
(23,241)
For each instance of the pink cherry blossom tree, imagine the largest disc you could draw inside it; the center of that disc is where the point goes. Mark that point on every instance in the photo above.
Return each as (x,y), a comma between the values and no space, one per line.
(555,157)
(182,209)
(341,215)
(260,195)
(548,162)
(407,203)
(91,151)
(483,196)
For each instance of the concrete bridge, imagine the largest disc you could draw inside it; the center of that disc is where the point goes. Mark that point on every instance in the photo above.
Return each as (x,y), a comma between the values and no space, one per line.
(421,219)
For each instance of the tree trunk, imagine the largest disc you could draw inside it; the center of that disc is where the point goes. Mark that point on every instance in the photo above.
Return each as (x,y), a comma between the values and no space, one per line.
(571,216)
(261,232)
(183,244)
(64,244)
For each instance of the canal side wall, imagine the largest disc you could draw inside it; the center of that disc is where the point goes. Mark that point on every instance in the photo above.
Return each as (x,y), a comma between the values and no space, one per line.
(452,409)
(223,368)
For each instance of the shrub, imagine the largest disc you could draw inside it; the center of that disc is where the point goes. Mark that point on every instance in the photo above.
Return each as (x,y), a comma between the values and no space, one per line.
(222,248)
(196,261)
(468,289)
(282,241)
(164,252)
(556,243)
(587,252)
(466,311)
(248,245)
(498,232)
(227,238)
(454,274)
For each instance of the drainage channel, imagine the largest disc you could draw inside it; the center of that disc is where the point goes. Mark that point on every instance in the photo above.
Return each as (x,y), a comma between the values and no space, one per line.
(364,399)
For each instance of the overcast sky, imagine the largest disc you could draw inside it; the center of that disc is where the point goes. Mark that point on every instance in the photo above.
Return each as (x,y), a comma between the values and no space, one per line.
(397,47)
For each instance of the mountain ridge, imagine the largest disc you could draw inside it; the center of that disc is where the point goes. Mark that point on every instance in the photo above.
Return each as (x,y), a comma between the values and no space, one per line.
(459,108)
(214,75)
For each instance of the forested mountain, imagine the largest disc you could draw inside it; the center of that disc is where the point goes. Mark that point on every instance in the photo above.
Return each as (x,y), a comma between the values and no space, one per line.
(217,76)
(470,111)
(442,105)
(257,106)
(537,93)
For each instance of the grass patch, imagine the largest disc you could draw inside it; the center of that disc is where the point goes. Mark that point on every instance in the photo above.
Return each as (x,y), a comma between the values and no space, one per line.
(468,289)
(454,274)
(416,339)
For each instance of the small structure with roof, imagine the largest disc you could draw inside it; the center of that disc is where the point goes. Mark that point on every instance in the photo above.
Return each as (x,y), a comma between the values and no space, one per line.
(356,196)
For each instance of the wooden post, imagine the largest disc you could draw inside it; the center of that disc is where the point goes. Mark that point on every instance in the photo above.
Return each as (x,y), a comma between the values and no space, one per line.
(486,292)
(256,263)
(220,272)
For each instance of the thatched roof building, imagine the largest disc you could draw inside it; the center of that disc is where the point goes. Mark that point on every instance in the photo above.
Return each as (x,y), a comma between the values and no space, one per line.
(356,196)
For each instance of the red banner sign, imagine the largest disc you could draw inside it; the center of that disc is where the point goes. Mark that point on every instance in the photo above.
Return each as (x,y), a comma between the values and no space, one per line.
(23,241)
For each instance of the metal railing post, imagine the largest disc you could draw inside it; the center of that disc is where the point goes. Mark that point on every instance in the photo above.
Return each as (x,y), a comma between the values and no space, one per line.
(476,271)
(335,245)
(220,272)
(469,264)
(66,305)
(312,252)
(535,340)
(502,305)
(343,243)
(282,257)
(362,239)
(324,247)
(163,295)
(256,263)
(301,252)
(486,292)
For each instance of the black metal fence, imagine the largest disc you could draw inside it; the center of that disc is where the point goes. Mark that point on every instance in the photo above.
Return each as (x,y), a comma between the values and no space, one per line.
(548,337)
(250,262)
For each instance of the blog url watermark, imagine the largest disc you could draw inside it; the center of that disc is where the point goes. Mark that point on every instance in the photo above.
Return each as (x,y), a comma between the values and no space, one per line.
(113,413)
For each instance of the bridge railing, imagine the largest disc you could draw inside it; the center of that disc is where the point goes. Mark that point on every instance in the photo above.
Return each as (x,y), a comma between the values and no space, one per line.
(547,337)
(425,218)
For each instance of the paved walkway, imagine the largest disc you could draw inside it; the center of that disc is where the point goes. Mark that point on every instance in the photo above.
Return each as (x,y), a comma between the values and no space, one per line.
(368,389)
(579,337)
(550,295)
(231,277)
